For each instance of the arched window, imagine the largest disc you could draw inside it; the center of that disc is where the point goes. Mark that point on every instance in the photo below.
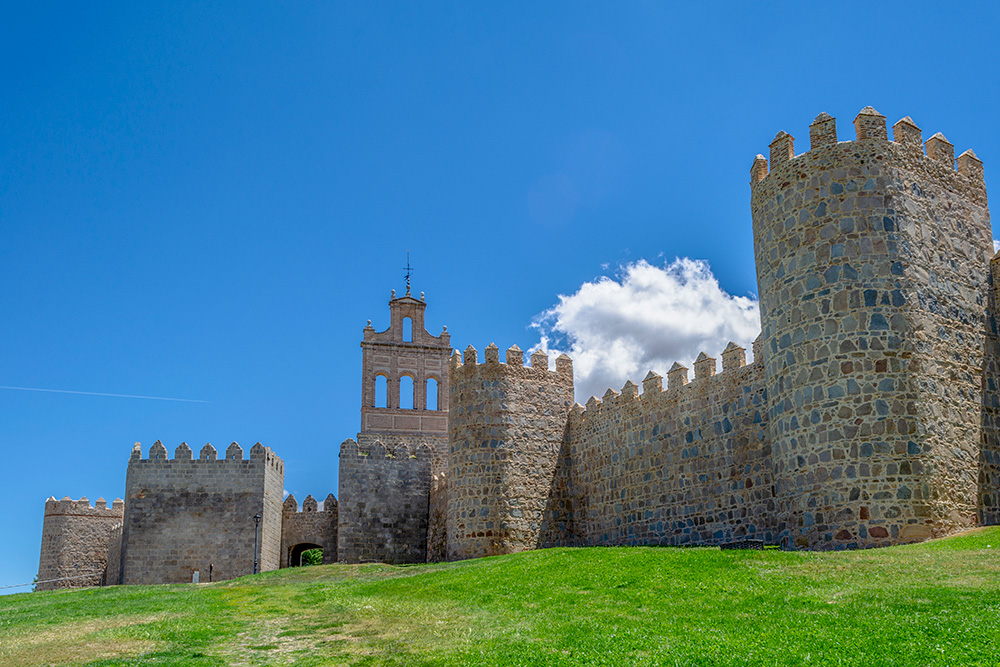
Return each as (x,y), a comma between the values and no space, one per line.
(406,392)
(432,394)
(381,391)
(407,330)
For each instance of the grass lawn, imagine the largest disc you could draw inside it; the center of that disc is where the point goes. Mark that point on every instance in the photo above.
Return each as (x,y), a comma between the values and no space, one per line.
(936,603)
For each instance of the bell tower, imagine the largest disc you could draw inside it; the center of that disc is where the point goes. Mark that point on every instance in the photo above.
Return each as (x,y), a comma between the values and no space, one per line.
(404,393)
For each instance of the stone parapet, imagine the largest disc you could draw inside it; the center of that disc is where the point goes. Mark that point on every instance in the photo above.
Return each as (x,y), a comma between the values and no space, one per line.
(688,465)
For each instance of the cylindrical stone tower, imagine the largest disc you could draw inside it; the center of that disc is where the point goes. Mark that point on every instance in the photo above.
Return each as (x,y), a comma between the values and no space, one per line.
(507,423)
(872,263)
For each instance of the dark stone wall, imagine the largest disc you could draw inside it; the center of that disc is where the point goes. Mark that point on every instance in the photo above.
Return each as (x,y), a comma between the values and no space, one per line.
(384,503)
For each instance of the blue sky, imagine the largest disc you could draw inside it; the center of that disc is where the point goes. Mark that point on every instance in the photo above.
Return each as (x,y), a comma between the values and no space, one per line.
(207,201)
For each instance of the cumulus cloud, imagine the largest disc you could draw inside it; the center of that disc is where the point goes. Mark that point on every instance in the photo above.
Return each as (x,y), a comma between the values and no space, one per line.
(645,318)
(996,245)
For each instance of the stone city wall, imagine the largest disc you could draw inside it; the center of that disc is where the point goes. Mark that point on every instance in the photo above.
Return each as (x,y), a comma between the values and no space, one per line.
(384,496)
(507,425)
(871,267)
(75,541)
(438,499)
(687,465)
(186,514)
(311,525)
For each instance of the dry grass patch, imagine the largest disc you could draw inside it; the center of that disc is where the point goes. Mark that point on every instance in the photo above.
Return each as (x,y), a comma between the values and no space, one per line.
(79,641)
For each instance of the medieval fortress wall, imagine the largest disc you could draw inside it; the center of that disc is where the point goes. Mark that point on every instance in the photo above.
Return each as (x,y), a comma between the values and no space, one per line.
(687,465)
(76,542)
(185,514)
(311,527)
(384,503)
(507,427)
(871,263)
(870,415)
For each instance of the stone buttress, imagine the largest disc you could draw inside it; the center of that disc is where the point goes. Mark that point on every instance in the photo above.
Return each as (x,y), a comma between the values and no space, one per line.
(872,261)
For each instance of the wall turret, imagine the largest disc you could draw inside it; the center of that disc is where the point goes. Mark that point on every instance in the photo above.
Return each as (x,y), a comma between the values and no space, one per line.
(871,266)
(76,539)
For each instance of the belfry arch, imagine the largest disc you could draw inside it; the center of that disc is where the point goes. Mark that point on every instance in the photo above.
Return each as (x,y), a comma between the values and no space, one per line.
(422,358)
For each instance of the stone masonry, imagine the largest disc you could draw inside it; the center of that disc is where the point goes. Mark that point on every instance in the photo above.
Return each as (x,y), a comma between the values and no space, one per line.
(76,540)
(185,514)
(869,416)
(310,528)
(384,503)
(508,422)
(872,261)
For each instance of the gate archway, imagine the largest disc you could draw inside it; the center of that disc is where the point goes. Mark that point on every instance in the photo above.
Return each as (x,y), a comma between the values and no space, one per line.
(295,552)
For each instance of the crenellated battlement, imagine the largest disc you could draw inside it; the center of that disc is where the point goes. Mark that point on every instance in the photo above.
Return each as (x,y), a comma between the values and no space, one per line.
(309,505)
(378,451)
(869,125)
(872,259)
(735,371)
(538,369)
(82,507)
(208,454)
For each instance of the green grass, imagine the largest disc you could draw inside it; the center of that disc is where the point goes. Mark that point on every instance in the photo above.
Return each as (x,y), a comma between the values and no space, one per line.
(936,603)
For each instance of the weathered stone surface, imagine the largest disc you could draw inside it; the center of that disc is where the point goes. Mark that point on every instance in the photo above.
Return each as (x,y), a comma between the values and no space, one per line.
(505,446)
(424,359)
(312,527)
(76,541)
(384,503)
(183,515)
(872,272)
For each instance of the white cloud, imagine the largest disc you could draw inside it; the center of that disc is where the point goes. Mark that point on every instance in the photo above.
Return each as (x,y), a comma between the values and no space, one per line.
(645,318)
(996,246)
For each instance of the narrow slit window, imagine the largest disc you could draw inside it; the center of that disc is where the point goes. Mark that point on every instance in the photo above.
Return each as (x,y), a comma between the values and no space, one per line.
(407,330)
(381,391)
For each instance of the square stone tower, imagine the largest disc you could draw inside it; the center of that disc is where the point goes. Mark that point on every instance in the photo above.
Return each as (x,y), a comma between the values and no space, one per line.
(186,514)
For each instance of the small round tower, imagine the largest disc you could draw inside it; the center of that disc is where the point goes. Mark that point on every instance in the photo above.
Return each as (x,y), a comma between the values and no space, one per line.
(872,261)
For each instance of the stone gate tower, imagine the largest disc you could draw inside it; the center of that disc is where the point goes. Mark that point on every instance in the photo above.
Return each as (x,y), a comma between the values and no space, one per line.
(393,493)
(872,266)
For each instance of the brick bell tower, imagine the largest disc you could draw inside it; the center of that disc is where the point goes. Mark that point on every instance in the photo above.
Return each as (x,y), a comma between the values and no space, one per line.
(411,365)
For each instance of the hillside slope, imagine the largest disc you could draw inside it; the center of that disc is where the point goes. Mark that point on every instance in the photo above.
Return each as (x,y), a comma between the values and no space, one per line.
(936,603)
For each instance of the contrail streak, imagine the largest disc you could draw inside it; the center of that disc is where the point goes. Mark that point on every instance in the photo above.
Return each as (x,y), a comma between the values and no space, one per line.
(95,393)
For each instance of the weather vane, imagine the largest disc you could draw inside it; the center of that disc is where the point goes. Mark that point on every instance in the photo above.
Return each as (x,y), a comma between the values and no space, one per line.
(409,272)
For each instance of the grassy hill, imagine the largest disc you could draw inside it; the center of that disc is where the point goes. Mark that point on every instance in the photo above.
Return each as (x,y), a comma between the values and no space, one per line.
(936,603)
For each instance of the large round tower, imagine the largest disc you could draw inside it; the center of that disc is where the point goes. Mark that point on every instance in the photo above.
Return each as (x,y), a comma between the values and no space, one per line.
(872,261)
